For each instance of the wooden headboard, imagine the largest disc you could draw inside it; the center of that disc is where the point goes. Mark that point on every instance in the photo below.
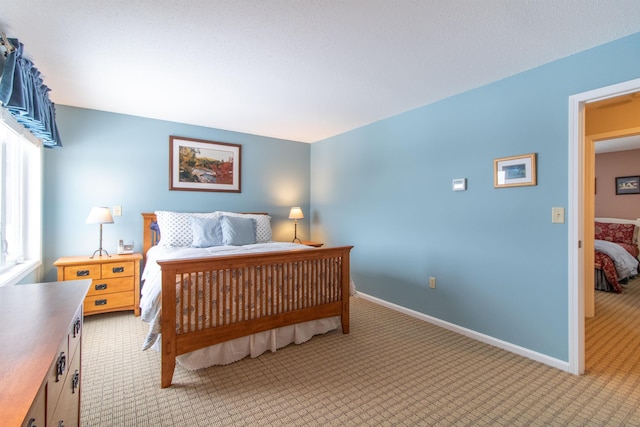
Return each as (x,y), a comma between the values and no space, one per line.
(151,237)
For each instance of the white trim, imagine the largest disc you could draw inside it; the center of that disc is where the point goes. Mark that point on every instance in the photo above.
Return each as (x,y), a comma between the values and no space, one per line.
(18,272)
(575,217)
(18,128)
(521,351)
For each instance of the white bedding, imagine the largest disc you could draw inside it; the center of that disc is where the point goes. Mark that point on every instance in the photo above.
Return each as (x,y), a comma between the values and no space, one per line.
(230,351)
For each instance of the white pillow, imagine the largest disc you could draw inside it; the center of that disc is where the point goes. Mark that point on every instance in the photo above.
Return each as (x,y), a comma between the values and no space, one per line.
(175,227)
(263,225)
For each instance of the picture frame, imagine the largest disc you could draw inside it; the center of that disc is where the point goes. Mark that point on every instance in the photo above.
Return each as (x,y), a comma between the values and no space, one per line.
(201,165)
(515,171)
(627,185)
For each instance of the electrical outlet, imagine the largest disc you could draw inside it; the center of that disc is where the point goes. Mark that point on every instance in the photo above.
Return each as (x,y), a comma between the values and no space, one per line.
(432,282)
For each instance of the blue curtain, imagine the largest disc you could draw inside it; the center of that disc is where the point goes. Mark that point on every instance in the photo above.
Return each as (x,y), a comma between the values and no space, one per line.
(25,95)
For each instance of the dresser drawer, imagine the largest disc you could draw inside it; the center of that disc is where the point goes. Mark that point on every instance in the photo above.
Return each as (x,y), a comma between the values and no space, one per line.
(117,269)
(110,286)
(90,271)
(75,333)
(66,411)
(37,413)
(57,376)
(108,302)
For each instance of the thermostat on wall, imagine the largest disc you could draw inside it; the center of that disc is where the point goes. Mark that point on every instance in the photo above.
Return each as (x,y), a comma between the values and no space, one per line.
(460,184)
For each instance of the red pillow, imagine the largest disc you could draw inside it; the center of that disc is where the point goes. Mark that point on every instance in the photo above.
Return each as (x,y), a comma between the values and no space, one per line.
(618,233)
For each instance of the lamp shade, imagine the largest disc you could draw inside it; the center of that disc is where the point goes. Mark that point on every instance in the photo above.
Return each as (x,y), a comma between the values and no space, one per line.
(296,213)
(100,215)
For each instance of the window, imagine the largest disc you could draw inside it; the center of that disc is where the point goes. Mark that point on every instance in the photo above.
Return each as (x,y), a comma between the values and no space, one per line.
(20,201)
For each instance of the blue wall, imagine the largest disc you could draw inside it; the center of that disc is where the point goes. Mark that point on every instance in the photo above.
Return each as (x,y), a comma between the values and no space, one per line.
(501,265)
(113,159)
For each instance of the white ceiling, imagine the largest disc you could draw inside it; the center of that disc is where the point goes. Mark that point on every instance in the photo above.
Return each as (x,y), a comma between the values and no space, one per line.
(302,70)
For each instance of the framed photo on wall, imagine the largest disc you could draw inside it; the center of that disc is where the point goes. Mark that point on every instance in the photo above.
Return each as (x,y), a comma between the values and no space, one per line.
(514,171)
(199,165)
(627,185)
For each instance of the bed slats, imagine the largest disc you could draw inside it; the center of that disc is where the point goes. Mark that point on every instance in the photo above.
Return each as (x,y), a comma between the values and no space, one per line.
(206,301)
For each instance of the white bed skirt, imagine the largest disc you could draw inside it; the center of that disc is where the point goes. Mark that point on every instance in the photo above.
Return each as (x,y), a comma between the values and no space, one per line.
(253,345)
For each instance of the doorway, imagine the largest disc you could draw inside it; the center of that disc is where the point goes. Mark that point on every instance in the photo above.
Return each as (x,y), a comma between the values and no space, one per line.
(581,216)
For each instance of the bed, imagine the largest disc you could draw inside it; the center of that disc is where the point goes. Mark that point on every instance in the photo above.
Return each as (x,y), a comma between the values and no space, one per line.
(217,304)
(616,253)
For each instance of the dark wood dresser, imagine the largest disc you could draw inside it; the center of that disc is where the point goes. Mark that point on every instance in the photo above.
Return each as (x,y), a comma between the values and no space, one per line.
(40,353)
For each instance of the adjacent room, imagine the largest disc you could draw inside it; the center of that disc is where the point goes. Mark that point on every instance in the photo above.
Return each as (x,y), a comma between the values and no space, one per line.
(320,212)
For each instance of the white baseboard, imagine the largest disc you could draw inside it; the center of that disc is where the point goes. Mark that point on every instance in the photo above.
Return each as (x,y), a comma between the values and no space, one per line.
(530,354)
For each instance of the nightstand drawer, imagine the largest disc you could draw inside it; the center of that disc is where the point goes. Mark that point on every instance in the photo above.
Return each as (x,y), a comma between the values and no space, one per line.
(107,302)
(90,271)
(117,269)
(110,286)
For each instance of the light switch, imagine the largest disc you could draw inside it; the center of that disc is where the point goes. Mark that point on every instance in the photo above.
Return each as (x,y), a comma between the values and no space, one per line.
(117,211)
(557,215)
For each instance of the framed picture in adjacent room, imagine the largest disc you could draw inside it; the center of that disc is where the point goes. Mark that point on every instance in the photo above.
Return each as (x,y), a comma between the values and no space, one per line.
(514,171)
(628,185)
(199,165)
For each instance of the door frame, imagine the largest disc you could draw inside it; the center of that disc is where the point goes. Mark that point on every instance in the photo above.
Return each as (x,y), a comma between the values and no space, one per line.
(580,221)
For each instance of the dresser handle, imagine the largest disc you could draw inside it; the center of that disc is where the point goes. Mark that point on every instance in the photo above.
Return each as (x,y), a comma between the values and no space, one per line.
(101,287)
(61,423)
(31,423)
(118,269)
(60,365)
(75,381)
(76,327)
(82,273)
(101,302)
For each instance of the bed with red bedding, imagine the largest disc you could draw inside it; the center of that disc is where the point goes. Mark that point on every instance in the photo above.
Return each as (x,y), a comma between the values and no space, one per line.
(617,251)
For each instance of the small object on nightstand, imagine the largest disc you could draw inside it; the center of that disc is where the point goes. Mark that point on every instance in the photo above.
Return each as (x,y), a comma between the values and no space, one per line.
(116,281)
(310,243)
(124,248)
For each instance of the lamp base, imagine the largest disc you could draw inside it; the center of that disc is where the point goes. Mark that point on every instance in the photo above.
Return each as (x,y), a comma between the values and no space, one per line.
(295,232)
(99,252)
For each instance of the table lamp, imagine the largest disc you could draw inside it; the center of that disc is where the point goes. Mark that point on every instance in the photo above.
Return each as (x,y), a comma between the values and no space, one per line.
(295,214)
(100,215)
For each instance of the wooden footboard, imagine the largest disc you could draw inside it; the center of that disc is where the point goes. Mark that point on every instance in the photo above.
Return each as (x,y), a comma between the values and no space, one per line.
(212,300)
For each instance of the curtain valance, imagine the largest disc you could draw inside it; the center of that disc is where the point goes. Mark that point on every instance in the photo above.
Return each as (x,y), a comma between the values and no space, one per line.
(25,95)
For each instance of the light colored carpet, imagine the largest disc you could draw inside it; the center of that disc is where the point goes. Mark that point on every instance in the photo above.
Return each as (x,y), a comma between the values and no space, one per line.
(391,370)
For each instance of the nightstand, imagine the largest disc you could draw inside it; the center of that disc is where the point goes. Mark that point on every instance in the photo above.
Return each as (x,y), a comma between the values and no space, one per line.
(310,243)
(116,281)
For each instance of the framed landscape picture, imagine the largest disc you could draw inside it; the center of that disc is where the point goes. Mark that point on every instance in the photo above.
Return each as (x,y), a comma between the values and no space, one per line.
(514,171)
(628,185)
(199,165)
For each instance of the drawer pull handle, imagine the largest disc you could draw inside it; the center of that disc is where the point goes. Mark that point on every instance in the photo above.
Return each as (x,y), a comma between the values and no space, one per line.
(61,423)
(101,302)
(60,365)
(76,327)
(82,273)
(75,381)
(32,423)
(118,269)
(101,287)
